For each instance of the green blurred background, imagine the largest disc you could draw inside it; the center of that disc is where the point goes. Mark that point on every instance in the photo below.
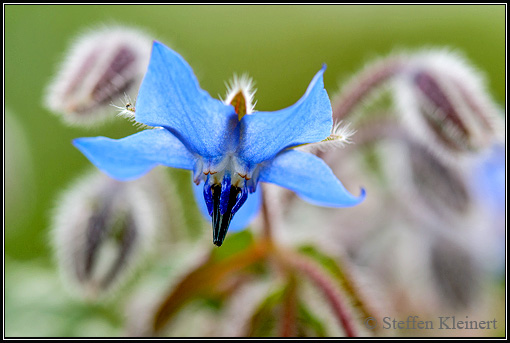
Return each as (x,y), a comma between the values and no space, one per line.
(281,47)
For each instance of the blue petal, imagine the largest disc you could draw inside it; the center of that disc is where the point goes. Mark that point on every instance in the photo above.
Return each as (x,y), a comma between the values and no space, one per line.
(265,134)
(242,218)
(310,178)
(171,97)
(131,157)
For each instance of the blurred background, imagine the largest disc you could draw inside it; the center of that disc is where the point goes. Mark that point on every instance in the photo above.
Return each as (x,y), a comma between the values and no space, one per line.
(281,47)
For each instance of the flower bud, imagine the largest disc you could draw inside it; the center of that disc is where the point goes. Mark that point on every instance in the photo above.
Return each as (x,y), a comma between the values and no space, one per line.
(101,67)
(101,228)
(443,187)
(445,103)
(456,274)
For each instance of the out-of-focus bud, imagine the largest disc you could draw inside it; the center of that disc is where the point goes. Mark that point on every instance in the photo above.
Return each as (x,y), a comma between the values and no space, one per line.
(442,187)
(426,187)
(102,67)
(19,187)
(101,229)
(445,103)
(403,167)
(456,274)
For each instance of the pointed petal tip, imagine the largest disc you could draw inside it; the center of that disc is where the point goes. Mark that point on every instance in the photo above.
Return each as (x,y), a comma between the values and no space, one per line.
(170,96)
(158,46)
(361,197)
(161,48)
(346,200)
(350,200)
(311,178)
(79,142)
(363,193)
(317,80)
(309,120)
(133,156)
(319,74)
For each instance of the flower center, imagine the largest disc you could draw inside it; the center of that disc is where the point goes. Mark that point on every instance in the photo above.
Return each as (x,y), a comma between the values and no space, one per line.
(226,189)
(227,180)
(225,202)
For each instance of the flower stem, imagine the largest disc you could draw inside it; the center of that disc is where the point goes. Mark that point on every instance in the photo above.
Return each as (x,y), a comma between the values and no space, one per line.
(380,129)
(267,215)
(361,85)
(289,311)
(319,277)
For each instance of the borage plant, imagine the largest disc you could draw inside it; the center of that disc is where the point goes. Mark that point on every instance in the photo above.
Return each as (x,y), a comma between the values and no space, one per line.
(229,147)
(440,125)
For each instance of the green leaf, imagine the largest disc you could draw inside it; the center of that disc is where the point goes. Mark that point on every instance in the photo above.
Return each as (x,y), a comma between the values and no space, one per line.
(264,320)
(267,320)
(308,324)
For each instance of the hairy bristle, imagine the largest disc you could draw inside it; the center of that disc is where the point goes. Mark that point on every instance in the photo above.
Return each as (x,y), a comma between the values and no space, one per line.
(339,137)
(241,85)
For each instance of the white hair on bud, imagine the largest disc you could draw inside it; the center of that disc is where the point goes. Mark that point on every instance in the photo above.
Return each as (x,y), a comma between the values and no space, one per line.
(127,109)
(339,137)
(245,85)
(341,134)
(464,88)
(71,225)
(90,78)
(455,65)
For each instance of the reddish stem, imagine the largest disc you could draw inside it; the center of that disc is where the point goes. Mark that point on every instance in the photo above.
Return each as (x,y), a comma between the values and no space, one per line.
(267,215)
(289,310)
(361,85)
(324,282)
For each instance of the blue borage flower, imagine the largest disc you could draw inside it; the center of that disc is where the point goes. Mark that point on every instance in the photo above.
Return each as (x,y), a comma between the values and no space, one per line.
(228,152)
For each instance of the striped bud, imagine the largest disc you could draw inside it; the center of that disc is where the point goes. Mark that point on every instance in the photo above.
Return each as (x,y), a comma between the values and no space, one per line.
(101,228)
(441,185)
(445,103)
(101,68)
